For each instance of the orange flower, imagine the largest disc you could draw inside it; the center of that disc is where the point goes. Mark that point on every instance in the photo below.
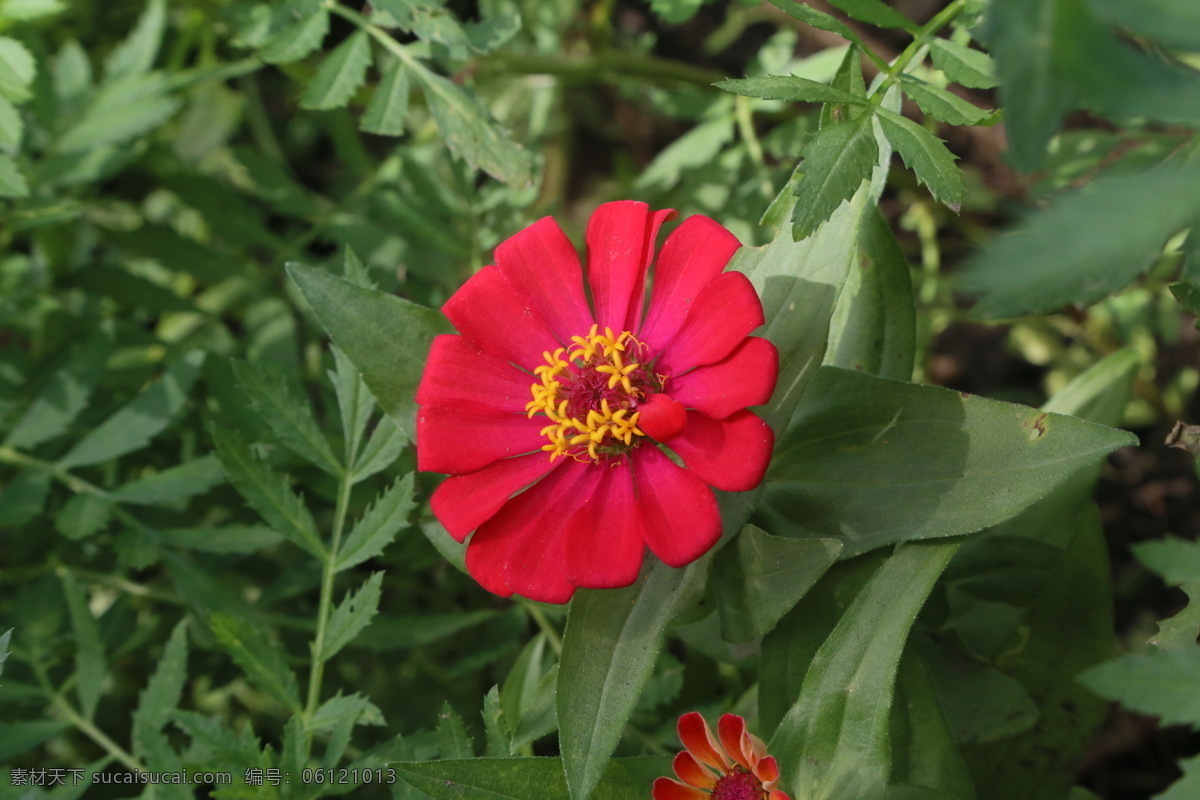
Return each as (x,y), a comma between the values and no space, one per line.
(736,768)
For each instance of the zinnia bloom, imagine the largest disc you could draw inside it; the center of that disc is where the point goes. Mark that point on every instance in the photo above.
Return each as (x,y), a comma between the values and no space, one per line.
(737,768)
(548,412)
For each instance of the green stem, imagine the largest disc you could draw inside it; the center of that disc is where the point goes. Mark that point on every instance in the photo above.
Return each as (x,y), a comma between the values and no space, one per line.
(920,41)
(325,606)
(548,629)
(78,485)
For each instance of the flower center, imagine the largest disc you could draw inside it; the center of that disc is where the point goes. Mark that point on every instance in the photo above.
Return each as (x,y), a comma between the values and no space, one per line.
(738,786)
(590,393)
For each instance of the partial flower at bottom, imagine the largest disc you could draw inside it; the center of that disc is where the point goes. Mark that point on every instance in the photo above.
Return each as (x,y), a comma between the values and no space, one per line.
(736,767)
(578,434)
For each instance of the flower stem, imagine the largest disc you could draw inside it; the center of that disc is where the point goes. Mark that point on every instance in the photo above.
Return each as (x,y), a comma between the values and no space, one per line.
(325,604)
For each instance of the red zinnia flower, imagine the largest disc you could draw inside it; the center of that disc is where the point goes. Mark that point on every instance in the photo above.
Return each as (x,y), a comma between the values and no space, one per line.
(737,768)
(609,384)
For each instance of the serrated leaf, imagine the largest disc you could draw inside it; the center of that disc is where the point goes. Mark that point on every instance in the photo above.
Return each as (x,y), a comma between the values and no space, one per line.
(350,616)
(927,156)
(17,69)
(12,182)
(340,74)
(384,446)
(297,40)
(388,106)
(161,696)
(471,133)
(875,13)
(942,104)
(267,492)
(963,64)
(1178,562)
(789,88)
(90,667)
(213,743)
(453,739)
(136,54)
(354,404)
(289,417)
(63,398)
(122,110)
(386,517)
(264,663)
(11,126)
(1165,683)
(173,484)
(836,163)
(134,425)
(225,539)
(82,516)
(817,19)
(337,717)
(499,738)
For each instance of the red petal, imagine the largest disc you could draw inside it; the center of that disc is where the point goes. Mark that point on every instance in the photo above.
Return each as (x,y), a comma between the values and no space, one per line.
(520,548)
(731,454)
(602,539)
(776,794)
(693,255)
(725,312)
(544,267)
(680,517)
(458,370)
(698,739)
(662,417)
(745,378)
(667,789)
(688,769)
(620,241)
(497,317)
(732,730)
(767,771)
(464,502)
(460,436)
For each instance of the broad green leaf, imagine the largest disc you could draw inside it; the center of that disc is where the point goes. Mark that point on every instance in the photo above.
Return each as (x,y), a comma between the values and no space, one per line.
(1186,787)
(926,156)
(350,616)
(161,696)
(874,327)
(267,492)
(174,484)
(1178,562)
(11,126)
(297,40)
(340,74)
(499,737)
(122,110)
(263,661)
(471,133)
(66,394)
(765,579)
(453,740)
(17,69)
(27,10)
(133,426)
(83,515)
(225,539)
(876,13)
(90,667)
(833,742)
(963,64)
(836,163)
(136,54)
(388,106)
(23,497)
(386,337)
(290,417)
(386,517)
(611,642)
(17,737)
(941,104)
(1086,245)
(12,182)
(1176,23)
(527,778)
(789,88)
(873,462)
(923,751)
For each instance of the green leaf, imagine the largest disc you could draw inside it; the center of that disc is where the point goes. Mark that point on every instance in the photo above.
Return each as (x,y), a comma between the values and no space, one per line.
(941,104)
(981,703)
(17,737)
(926,156)
(1086,245)
(963,64)
(386,337)
(696,149)
(836,163)
(12,182)
(82,516)
(1178,562)
(527,778)
(833,742)
(161,696)
(17,69)
(382,449)
(1186,787)
(267,492)
(527,695)
(337,717)
(388,106)
(340,74)
(1175,23)
(1101,392)
(611,642)
(23,497)
(136,54)
(134,425)
(819,19)
(471,133)
(4,640)
(386,517)
(297,40)
(453,739)
(923,751)
(90,667)
(873,461)
(499,738)
(355,404)
(174,484)
(289,417)
(790,88)
(350,616)
(875,13)
(766,579)
(122,110)
(66,394)
(226,539)
(676,12)
(11,126)
(264,663)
